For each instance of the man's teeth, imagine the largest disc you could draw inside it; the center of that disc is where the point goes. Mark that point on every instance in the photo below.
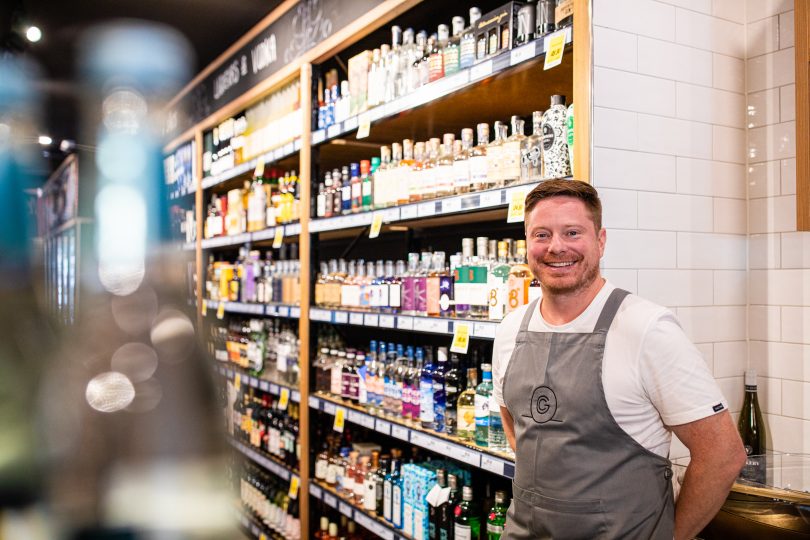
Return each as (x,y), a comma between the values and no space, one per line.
(560,264)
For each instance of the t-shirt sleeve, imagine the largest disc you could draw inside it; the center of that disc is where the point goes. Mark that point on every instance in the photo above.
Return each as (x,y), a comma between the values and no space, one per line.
(502,348)
(675,375)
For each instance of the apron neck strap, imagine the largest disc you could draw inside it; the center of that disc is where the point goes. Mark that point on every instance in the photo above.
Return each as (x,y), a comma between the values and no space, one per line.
(609,311)
(524,324)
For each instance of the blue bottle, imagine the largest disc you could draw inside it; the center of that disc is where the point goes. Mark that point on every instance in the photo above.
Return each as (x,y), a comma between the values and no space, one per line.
(426,412)
(439,403)
(388,492)
(371,376)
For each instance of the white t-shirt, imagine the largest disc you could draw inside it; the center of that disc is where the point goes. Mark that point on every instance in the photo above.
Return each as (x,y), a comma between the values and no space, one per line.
(652,374)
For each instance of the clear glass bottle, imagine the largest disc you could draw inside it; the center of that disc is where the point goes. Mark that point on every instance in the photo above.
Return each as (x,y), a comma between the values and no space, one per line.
(465,407)
(409,285)
(426,406)
(439,395)
(445,182)
(461,162)
(479,164)
(420,285)
(375,78)
(531,151)
(477,272)
(483,392)
(495,158)
(452,51)
(556,162)
(356,185)
(463,294)
(467,56)
(520,276)
(403,177)
(393,66)
(424,62)
(511,153)
(436,61)
(415,186)
(496,438)
(429,173)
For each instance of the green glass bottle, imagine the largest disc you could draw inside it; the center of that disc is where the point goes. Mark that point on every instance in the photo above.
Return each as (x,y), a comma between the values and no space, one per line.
(497,517)
(752,431)
(467,523)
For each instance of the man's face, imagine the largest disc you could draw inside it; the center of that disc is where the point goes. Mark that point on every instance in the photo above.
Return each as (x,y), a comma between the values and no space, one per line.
(563,245)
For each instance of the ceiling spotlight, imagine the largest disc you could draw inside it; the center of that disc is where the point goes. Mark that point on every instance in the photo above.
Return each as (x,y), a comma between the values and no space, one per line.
(33,34)
(44,140)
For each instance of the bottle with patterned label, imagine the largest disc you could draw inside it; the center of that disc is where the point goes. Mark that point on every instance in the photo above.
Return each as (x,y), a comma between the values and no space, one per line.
(555,146)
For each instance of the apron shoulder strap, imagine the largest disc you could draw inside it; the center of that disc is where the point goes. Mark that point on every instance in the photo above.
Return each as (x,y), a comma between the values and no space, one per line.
(527,317)
(609,311)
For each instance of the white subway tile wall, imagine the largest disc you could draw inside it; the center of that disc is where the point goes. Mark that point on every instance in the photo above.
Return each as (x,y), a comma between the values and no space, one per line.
(694,146)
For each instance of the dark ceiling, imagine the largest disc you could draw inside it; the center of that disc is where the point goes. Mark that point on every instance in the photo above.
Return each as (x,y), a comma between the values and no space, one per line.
(211,26)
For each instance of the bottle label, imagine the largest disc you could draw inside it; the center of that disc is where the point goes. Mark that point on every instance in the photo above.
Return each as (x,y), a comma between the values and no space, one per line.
(408,302)
(395,295)
(494,529)
(478,170)
(426,401)
(396,506)
(461,174)
(462,532)
(320,469)
(510,164)
(387,501)
(481,410)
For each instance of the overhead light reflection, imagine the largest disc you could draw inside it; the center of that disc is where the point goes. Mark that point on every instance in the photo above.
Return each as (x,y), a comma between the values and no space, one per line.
(134,313)
(121,215)
(33,34)
(109,392)
(124,111)
(44,140)
(122,157)
(173,336)
(137,361)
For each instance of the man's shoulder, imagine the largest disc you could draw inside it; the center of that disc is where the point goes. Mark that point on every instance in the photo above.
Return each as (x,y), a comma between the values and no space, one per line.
(510,324)
(639,315)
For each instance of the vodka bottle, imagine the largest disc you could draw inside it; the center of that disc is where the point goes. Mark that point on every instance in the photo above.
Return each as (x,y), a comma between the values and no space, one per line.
(482,394)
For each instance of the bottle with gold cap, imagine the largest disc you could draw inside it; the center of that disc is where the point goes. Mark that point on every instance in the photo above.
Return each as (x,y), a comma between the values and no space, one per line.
(520,276)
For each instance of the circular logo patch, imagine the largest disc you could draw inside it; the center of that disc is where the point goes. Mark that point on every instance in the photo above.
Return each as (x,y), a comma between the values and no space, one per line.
(544,404)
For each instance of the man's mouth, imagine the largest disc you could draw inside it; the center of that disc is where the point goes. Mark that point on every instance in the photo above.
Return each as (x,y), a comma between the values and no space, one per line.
(560,264)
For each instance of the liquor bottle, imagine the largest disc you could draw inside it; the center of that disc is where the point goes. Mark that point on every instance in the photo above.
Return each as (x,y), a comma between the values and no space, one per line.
(394,282)
(446,287)
(323,532)
(482,394)
(356,188)
(467,523)
(400,367)
(420,285)
(496,439)
(511,153)
(439,396)
(333,531)
(415,377)
(436,61)
(380,187)
(337,198)
(320,201)
(367,170)
(446,521)
(370,483)
(544,19)
(433,507)
(564,13)
(414,51)
(362,373)
(452,391)
(397,179)
(429,179)
(497,276)
(466,407)
(397,503)
(374,96)
(452,51)
(432,284)
(415,185)
(520,277)
(426,404)
(394,66)
(569,128)
(495,158)
(467,57)
(443,172)
(479,164)
(531,151)
(392,405)
(526,24)
(388,489)
(555,147)
(752,431)
(409,285)
(461,162)
(477,275)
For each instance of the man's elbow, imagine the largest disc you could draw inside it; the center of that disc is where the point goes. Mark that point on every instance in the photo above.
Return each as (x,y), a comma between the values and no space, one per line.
(736,459)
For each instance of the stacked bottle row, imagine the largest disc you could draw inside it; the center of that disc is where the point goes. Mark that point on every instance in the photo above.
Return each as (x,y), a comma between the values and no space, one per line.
(425,498)
(340,528)
(252,279)
(414,59)
(407,173)
(267,499)
(266,201)
(485,284)
(413,385)
(258,420)
(266,348)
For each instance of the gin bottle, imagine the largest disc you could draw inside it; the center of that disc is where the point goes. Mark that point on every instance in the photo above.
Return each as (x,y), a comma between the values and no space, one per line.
(468,522)
(495,158)
(461,162)
(496,519)
(426,405)
(520,276)
(436,61)
(439,396)
(477,274)
(478,160)
(482,395)
(465,415)
(555,147)
(468,40)
(531,151)
(443,172)
(511,153)
(452,51)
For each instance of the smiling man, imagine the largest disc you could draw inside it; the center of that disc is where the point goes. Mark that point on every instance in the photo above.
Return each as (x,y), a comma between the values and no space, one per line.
(592,382)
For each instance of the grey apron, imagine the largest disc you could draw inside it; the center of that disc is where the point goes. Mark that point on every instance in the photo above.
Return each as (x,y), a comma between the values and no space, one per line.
(578,475)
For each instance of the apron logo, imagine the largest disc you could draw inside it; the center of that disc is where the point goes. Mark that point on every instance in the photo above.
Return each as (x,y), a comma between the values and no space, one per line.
(543,405)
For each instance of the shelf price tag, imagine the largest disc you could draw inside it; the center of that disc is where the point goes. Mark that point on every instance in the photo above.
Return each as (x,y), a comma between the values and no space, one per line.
(262,536)
(204,308)
(237,381)
(376,225)
(284,399)
(521,54)
(517,206)
(554,45)
(461,338)
(364,127)
(221,310)
(278,237)
(340,419)
(294,482)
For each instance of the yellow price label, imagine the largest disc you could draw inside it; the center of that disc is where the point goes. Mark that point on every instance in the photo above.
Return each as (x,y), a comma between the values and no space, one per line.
(555,45)
(237,381)
(262,536)
(204,308)
(340,419)
(284,399)
(294,483)
(364,128)
(278,238)
(517,207)
(259,172)
(376,225)
(221,310)
(461,338)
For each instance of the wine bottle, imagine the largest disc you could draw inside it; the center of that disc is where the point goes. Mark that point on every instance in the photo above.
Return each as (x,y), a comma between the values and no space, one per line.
(752,431)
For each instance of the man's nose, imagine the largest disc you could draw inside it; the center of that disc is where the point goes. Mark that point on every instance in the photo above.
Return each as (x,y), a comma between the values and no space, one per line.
(556,245)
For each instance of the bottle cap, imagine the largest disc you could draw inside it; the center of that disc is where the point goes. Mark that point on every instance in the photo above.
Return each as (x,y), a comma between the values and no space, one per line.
(458,25)
(444,32)
(557,99)
(466,493)
(355,168)
(750,377)
(475,14)
(375,162)
(365,166)
(500,497)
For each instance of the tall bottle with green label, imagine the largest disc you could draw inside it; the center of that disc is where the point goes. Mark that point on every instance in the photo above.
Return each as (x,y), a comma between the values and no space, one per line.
(497,517)
(467,524)
(569,124)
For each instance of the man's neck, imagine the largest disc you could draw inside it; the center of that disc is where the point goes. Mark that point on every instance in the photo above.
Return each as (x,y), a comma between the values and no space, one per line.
(562,308)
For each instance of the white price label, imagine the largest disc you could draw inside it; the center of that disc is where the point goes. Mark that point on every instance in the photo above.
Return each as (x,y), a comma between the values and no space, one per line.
(330,500)
(295,396)
(289,148)
(451,205)
(284,311)
(421,325)
(295,312)
(521,54)
(426,209)
(318,136)
(350,123)
(329,408)
(399,432)
(345,509)
(387,321)
(491,198)
(405,323)
(424,441)
(408,212)
(274,389)
(371,319)
(383,427)
(493,465)
(356,319)
(484,330)
(315,491)
(341,317)
(314,403)
(333,130)
(461,453)
(264,386)
(481,70)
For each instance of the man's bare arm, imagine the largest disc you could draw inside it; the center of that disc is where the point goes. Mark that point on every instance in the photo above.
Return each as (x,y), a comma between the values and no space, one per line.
(717,455)
(508,427)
